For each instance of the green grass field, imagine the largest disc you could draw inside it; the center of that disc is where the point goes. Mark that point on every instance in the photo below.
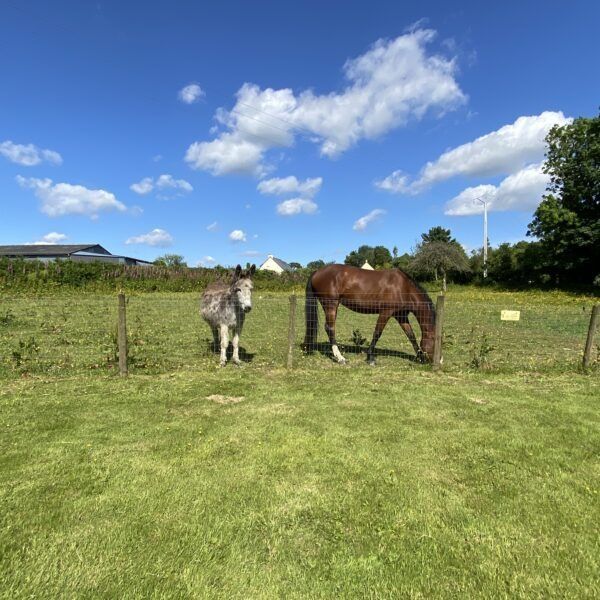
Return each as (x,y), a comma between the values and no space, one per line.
(185,480)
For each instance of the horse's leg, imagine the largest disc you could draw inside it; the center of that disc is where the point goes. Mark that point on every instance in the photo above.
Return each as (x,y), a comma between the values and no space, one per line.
(402,319)
(236,346)
(330,308)
(224,344)
(384,317)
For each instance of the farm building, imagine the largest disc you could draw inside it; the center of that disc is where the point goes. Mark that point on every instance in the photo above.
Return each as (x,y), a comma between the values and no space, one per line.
(76,252)
(367,266)
(275,264)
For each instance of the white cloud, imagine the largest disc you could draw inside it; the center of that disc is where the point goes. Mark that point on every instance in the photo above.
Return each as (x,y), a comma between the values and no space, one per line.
(164,182)
(522,190)
(191,93)
(145,186)
(60,199)
(206,261)
(50,239)
(156,237)
(280,186)
(167,181)
(237,235)
(295,206)
(136,211)
(212,226)
(392,83)
(228,154)
(362,223)
(500,152)
(28,155)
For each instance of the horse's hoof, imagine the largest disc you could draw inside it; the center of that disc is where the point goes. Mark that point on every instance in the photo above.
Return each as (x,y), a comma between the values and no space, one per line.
(237,363)
(342,361)
(222,363)
(371,363)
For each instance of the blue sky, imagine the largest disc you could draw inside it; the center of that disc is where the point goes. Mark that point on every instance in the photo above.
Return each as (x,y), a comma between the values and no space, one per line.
(227,131)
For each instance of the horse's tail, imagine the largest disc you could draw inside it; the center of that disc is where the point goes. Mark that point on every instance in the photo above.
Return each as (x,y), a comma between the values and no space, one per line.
(312,317)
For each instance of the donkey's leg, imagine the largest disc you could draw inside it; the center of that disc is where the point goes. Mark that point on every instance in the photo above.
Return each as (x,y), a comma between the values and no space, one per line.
(236,346)
(330,309)
(224,344)
(402,319)
(215,333)
(384,317)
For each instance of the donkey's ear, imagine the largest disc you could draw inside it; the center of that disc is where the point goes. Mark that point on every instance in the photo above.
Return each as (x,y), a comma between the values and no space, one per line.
(251,270)
(237,272)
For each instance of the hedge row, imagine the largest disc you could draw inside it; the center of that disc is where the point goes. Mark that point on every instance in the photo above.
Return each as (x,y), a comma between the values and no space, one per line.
(36,276)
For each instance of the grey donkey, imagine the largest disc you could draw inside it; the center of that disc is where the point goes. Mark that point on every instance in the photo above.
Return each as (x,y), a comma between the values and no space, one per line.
(224,307)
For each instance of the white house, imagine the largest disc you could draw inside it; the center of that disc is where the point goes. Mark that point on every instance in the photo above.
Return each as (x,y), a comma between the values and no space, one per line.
(275,264)
(367,266)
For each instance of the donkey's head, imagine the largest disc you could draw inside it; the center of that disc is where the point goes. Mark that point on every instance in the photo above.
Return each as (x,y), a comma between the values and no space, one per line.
(241,287)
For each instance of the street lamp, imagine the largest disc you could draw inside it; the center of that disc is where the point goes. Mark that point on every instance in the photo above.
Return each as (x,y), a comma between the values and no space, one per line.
(482,200)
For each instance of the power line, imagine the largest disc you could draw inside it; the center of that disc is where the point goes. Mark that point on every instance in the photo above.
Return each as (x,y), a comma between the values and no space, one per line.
(278,118)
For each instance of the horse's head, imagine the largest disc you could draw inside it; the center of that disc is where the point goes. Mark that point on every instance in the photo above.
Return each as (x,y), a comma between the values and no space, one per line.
(241,287)
(426,352)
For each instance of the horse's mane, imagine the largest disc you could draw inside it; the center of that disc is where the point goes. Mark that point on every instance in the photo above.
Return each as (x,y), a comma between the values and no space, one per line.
(420,288)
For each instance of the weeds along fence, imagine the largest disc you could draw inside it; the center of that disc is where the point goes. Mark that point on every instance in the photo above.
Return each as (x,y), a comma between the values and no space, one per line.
(76,334)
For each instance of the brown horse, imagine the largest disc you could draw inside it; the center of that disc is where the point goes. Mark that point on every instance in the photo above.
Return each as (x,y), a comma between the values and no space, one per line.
(390,293)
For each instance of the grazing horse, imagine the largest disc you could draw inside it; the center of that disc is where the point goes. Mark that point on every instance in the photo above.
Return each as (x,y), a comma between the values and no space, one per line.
(225,307)
(389,293)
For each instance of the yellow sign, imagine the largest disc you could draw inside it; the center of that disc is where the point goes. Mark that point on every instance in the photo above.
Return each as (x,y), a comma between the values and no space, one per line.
(510,315)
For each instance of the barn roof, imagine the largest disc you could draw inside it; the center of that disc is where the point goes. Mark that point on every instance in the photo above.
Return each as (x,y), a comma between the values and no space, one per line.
(50,249)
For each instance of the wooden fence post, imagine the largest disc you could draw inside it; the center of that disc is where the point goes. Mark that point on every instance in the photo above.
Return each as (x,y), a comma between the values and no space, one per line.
(122,336)
(587,354)
(291,332)
(439,324)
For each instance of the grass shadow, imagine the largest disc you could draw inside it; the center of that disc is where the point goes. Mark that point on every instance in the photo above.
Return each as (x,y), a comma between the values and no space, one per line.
(245,356)
(324,348)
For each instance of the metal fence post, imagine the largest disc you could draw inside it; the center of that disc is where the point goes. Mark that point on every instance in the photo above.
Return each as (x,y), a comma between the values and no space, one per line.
(587,354)
(439,323)
(122,335)
(291,332)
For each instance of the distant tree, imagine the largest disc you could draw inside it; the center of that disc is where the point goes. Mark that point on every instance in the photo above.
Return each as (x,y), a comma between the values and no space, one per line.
(567,221)
(395,252)
(313,265)
(170,260)
(402,262)
(295,265)
(440,258)
(378,256)
(382,257)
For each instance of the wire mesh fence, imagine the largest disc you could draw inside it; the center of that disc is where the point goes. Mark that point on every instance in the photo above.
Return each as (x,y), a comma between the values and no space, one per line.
(74,334)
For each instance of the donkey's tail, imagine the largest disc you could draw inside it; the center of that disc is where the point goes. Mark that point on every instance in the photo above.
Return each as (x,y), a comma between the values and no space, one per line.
(312,318)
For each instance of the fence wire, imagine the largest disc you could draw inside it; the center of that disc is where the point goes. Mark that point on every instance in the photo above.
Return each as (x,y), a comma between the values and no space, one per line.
(73,334)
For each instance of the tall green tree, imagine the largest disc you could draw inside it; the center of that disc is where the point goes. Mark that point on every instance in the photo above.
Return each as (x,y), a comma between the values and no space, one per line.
(567,221)
(438,234)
